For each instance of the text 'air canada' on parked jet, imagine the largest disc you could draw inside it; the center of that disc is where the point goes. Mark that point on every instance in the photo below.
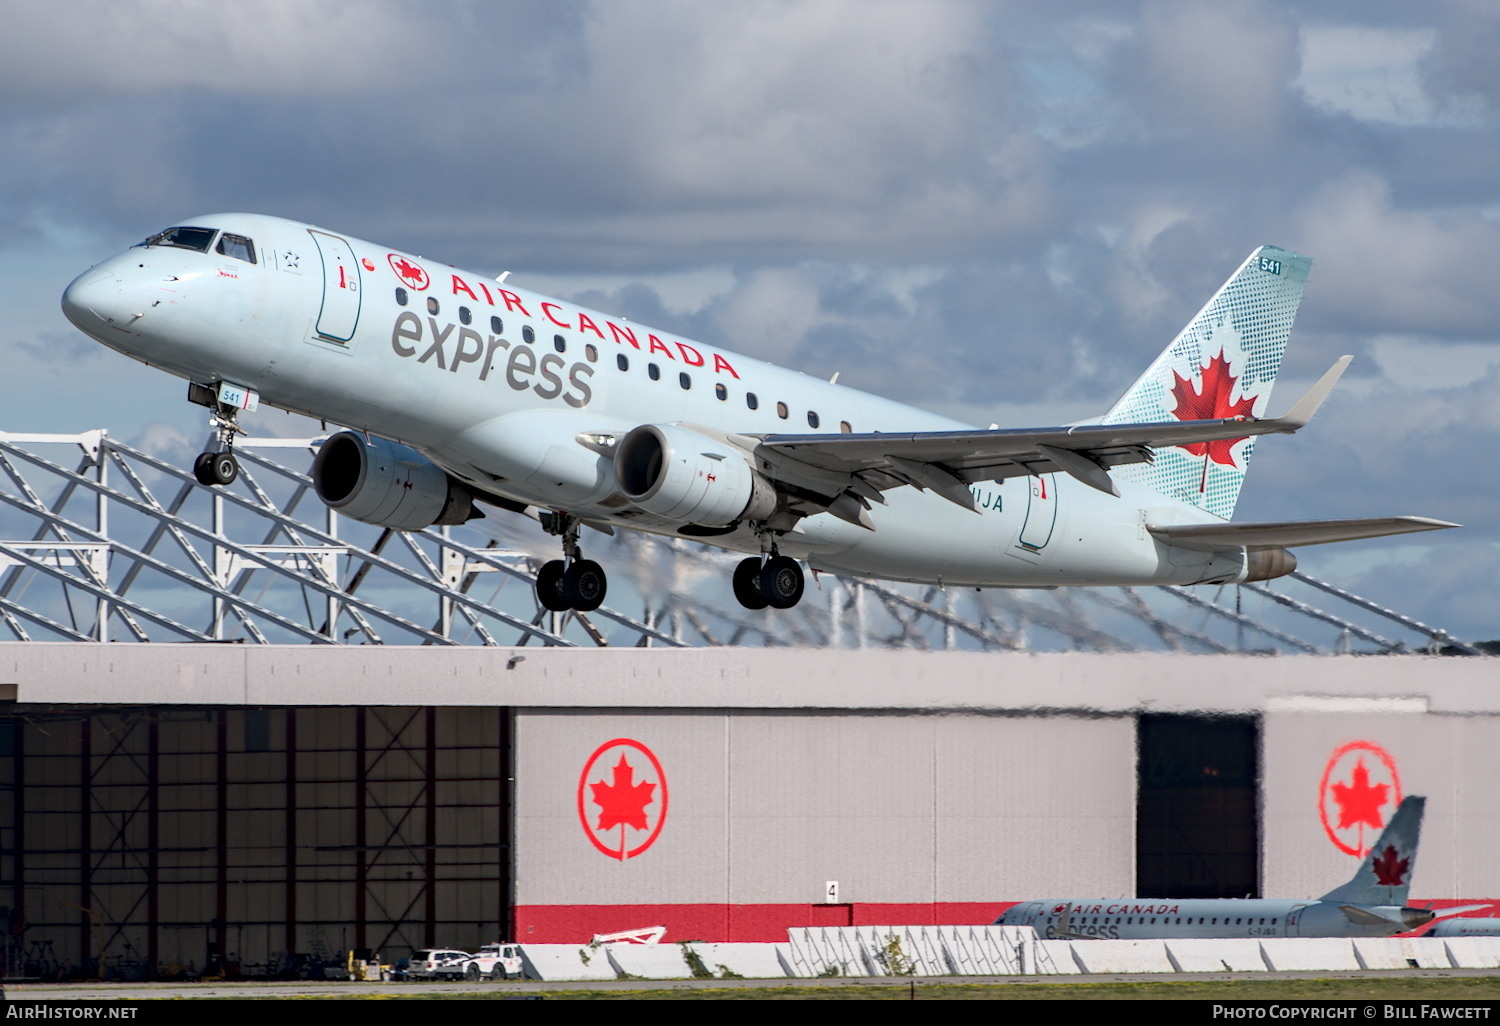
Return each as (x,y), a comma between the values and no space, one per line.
(1371,904)
(465,390)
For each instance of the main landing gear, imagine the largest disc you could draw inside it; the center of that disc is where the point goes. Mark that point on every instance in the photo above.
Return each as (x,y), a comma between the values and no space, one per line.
(571,582)
(220,467)
(769,579)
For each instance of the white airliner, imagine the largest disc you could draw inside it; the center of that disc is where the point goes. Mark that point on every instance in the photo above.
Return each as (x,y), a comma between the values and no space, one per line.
(1371,904)
(462,389)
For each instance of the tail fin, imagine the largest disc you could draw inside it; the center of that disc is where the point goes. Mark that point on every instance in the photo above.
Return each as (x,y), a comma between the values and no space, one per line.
(1222,365)
(1384,877)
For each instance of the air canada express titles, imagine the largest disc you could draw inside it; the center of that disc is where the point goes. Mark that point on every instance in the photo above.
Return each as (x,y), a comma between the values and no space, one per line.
(413,276)
(447,346)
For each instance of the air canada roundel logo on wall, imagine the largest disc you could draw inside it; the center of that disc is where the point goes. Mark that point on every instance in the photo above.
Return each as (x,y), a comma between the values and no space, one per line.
(622,798)
(1359,792)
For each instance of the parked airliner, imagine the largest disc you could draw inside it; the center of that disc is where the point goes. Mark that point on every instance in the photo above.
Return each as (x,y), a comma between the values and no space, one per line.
(462,391)
(1371,904)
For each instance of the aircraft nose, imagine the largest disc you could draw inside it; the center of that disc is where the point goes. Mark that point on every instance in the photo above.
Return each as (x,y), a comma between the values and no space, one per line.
(90,299)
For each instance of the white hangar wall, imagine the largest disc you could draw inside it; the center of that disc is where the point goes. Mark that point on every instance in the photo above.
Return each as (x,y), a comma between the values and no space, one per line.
(1450,755)
(916,817)
(437,796)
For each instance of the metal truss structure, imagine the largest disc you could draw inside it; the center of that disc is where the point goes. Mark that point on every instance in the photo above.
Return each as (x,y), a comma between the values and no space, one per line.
(107,542)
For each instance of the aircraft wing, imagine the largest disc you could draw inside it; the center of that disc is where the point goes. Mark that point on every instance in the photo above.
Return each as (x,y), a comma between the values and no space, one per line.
(949,461)
(1290,532)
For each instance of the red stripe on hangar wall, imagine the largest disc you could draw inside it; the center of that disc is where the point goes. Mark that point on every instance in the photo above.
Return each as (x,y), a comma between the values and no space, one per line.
(577,924)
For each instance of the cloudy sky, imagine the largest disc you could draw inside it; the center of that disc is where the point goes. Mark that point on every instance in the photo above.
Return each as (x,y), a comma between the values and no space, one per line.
(998,210)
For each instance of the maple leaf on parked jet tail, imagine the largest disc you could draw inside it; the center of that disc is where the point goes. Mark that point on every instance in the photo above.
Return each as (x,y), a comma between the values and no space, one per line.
(1389,870)
(1212,403)
(624,801)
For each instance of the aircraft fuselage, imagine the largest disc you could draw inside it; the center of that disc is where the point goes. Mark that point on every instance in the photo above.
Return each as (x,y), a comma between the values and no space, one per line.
(496,385)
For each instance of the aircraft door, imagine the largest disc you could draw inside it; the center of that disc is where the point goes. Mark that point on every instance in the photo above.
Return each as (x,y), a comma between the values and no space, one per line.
(1041,512)
(1294,920)
(339,314)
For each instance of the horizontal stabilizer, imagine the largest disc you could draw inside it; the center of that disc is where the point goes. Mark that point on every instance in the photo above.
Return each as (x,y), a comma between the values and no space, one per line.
(1361,916)
(1288,533)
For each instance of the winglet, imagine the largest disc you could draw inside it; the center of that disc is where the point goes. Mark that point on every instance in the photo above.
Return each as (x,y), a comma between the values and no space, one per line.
(1303,409)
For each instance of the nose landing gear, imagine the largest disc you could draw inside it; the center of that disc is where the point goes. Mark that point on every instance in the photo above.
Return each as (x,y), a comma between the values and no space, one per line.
(219,467)
(571,582)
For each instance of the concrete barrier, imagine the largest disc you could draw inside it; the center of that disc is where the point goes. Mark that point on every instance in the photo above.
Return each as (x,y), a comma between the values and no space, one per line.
(990,950)
(1214,955)
(1055,958)
(1426,952)
(748,961)
(901,950)
(1122,956)
(566,962)
(826,951)
(650,961)
(1311,953)
(1379,953)
(1473,952)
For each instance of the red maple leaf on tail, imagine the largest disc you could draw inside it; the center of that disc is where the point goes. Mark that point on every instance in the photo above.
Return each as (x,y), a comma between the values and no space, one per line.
(1389,870)
(1213,403)
(624,801)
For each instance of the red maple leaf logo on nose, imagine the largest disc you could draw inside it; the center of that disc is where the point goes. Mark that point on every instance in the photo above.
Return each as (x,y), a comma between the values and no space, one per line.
(1212,403)
(624,801)
(1389,870)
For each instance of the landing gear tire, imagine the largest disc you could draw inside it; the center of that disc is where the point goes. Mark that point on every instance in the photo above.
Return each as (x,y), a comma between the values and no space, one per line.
(216,468)
(224,467)
(747,584)
(202,469)
(585,585)
(550,591)
(781,582)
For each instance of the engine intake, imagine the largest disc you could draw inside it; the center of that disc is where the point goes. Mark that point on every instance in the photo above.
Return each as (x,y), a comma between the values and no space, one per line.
(388,484)
(686,476)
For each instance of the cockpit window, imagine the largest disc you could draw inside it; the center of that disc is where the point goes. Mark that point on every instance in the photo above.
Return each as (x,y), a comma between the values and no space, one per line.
(237,246)
(184,238)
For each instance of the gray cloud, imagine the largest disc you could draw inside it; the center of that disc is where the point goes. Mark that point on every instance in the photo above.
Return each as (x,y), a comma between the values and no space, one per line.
(979,206)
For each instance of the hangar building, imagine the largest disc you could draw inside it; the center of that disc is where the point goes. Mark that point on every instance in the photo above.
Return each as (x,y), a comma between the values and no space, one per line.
(167,803)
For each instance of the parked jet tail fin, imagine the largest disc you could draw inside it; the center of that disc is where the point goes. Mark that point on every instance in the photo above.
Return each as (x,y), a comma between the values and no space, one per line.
(1384,876)
(1221,366)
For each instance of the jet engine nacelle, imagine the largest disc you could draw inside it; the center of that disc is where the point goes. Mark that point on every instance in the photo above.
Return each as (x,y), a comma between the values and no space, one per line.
(388,484)
(686,476)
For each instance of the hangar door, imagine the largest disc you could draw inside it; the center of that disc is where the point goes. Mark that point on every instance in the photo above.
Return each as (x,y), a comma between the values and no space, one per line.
(1197,832)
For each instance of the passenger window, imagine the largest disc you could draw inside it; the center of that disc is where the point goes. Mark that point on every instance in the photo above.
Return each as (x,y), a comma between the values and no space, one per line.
(559,343)
(464,316)
(845,428)
(622,361)
(432,305)
(400,296)
(751,401)
(721,391)
(782,411)
(685,381)
(653,372)
(237,246)
(812,419)
(591,353)
(527,335)
(497,325)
